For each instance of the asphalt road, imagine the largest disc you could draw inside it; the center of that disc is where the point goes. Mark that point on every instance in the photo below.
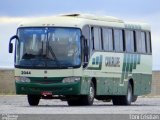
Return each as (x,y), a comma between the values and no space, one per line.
(19,105)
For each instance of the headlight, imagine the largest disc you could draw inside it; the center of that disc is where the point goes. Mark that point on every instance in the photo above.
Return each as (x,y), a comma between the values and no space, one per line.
(22,79)
(71,79)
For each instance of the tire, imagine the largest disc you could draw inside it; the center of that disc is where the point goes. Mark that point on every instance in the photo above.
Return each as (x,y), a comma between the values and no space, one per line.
(134,98)
(89,99)
(33,100)
(73,102)
(84,100)
(124,100)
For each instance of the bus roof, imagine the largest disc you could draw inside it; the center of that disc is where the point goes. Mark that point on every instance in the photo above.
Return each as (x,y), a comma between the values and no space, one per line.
(80,20)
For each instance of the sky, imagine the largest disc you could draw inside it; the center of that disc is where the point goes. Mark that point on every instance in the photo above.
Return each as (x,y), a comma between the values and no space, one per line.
(12,12)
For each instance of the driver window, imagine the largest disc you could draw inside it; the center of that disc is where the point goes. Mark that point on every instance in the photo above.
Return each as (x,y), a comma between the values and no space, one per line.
(86,42)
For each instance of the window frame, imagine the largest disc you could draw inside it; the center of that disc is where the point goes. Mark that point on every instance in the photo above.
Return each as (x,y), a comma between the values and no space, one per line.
(99,38)
(118,51)
(129,30)
(108,28)
(141,52)
(150,43)
(135,49)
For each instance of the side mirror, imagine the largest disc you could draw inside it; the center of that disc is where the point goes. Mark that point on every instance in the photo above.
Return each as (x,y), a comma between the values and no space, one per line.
(10,44)
(10,47)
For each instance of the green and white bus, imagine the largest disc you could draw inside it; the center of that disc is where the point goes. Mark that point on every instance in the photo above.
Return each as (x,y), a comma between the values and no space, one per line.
(82,57)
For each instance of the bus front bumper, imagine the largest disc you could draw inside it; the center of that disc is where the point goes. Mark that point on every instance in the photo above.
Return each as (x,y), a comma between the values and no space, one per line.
(54,88)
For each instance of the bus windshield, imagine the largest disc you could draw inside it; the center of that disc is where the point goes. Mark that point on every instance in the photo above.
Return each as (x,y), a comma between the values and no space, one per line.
(48,48)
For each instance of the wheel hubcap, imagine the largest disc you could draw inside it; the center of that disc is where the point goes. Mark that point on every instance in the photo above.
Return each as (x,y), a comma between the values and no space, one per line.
(129,96)
(91,94)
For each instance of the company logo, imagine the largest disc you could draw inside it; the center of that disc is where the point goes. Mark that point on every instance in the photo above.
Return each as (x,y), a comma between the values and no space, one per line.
(96,63)
(112,61)
(97,60)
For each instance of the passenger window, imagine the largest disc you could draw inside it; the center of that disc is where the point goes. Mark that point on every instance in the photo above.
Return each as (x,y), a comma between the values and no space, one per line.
(141,42)
(97,39)
(134,39)
(92,38)
(129,40)
(148,40)
(118,40)
(138,41)
(107,39)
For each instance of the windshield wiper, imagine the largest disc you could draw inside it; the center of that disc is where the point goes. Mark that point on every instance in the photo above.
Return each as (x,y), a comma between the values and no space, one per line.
(53,55)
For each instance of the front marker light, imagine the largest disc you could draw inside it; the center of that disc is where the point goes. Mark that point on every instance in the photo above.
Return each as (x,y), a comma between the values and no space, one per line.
(22,79)
(71,79)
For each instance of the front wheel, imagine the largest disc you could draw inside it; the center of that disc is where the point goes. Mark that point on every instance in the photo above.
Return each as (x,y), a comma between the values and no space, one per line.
(33,100)
(89,99)
(124,100)
(84,99)
(134,99)
(73,102)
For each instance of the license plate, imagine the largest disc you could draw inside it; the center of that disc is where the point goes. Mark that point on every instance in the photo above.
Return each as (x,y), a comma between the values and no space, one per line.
(46,93)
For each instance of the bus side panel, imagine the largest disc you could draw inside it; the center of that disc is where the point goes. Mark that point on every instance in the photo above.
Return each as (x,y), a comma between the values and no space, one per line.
(103,85)
(142,83)
(114,70)
(146,83)
(85,85)
(137,83)
(142,75)
(111,86)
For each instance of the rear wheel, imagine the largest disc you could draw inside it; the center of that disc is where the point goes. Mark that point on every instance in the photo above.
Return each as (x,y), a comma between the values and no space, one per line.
(124,100)
(33,100)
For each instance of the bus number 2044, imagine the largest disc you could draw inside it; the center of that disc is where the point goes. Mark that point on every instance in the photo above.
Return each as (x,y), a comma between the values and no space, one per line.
(25,72)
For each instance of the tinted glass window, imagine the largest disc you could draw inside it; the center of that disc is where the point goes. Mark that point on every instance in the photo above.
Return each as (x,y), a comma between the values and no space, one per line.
(141,42)
(138,41)
(48,47)
(92,38)
(97,38)
(129,40)
(107,39)
(118,40)
(86,33)
(148,40)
